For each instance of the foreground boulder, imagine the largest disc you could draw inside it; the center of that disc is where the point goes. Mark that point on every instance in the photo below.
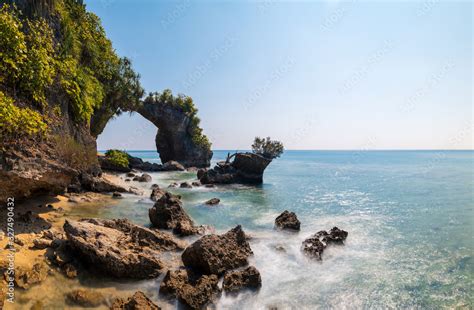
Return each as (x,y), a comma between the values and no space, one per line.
(138,301)
(241,279)
(120,248)
(194,291)
(315,245)
(245,168)
(215,254)
(287,220)
(168,213)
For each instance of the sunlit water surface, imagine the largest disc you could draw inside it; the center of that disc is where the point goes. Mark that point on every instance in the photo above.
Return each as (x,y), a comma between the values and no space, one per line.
(409,215)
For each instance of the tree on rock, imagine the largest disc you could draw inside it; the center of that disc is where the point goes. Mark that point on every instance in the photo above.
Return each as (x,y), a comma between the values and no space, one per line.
(267,147)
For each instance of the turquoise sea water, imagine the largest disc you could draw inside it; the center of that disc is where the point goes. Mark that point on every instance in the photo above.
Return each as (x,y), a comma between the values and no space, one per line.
(409,214)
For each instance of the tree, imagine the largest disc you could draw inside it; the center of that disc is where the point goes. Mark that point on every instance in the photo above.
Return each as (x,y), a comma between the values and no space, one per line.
(267,148)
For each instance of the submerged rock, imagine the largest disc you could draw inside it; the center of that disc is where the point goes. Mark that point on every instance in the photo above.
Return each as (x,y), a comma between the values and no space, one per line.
(145,177)
(215,254)
(85,298)
(315,245)
(213,201)
(287,220)
(194,291)
(185,185)
(168,213)
(241,279)
(120,248)
(139,301)
(245,168)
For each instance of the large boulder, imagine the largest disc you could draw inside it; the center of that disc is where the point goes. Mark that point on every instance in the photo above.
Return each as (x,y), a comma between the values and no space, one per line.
(248,278)
(120,248)
(287,220)
(245,168)
(139,301)
(314,246)
(215,254)
(194,291)
(168,213)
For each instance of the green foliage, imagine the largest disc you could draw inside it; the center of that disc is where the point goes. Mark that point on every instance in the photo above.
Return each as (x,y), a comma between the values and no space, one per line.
(12,46)
(185,104)
(119,158)
(16,122)
(267,147)
(39,68)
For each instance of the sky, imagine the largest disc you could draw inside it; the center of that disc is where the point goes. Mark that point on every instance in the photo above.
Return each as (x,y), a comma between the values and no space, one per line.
(313,74)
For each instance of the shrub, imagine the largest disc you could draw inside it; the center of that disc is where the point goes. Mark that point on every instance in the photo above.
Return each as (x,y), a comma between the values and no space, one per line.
(119,158)
(267,147)
(16,122)
(74,154)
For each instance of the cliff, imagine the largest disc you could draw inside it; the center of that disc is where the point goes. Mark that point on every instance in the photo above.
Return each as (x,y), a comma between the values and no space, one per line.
(61,81)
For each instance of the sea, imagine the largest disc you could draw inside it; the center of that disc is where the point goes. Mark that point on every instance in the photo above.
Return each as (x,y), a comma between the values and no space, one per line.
(409,215)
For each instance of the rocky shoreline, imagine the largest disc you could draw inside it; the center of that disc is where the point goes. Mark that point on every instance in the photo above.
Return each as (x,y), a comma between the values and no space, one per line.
(195,273)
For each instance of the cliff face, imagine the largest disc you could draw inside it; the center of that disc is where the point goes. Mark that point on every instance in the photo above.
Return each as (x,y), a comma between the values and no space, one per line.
(174,139)
(60,83)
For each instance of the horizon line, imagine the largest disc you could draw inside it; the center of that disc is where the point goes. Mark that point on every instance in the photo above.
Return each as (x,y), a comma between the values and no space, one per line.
(322,150)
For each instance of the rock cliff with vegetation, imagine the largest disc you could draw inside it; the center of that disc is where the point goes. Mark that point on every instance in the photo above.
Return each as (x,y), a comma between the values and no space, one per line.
(61,81)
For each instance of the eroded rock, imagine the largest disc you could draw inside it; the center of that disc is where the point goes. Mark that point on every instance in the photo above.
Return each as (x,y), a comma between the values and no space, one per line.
(119,247)
(245,168)
(215,254)
(168,213)
(287,220)
(139,301)
(157,193)
(315,245)
(213,201)
(194,291)
(248,278)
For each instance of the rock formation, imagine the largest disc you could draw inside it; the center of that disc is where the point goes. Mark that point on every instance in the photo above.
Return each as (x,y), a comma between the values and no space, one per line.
(287,220)
(168,213)
(139,301)
(315,245)
(120,248)
(245,168)
(174,140)
(192,290)
(215,254)
(241,279)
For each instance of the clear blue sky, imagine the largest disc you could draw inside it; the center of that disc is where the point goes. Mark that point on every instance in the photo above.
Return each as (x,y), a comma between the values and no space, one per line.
(315,75)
